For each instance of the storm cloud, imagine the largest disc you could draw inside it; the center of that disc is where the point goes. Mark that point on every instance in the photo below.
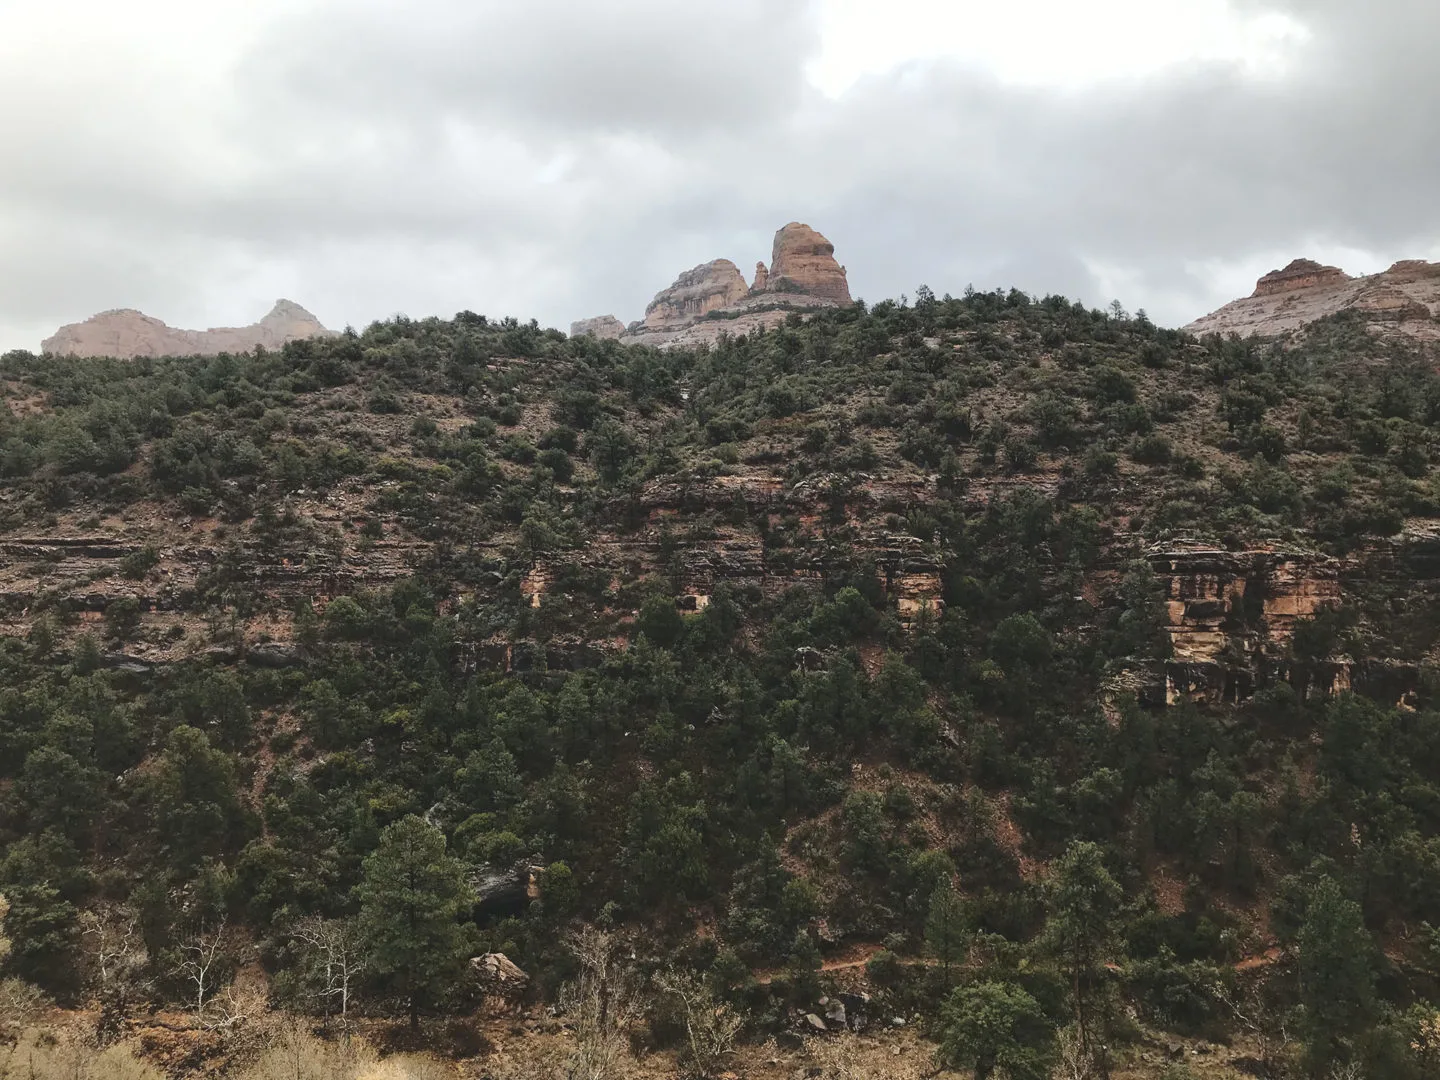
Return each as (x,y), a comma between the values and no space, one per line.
(564,158)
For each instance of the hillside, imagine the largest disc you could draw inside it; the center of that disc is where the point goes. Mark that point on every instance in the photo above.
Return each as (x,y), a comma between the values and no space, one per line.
(985,646)
(1404,300)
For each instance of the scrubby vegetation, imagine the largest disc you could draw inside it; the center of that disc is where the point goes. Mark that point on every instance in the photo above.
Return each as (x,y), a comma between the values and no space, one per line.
(972,795)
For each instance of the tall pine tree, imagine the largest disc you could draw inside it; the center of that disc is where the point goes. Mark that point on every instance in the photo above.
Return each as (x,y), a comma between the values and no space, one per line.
(410,901)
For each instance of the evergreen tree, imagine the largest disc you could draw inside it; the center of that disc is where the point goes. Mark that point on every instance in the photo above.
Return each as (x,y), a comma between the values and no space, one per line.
(994,1025)
(947,932)
(410,900)
(195,803)
(1337,976)
(1083,906)
(804,965)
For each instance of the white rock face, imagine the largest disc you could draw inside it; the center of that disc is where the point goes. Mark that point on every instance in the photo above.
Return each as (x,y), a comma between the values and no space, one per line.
(126,334)
(1404,300)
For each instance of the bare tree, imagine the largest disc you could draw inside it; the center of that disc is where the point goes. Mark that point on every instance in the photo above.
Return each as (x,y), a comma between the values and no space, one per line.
(334,950)
(202,962)
(117,950)
(1075,1061)
(602,1003)
(1262,1022)
(113,934)
(710,1025)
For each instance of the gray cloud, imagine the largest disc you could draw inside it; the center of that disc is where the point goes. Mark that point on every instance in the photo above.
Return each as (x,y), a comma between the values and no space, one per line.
(563,158)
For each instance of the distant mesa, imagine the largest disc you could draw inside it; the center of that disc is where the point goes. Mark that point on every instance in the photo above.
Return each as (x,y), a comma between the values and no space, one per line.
(1404,299)
(714,297)
(127,334)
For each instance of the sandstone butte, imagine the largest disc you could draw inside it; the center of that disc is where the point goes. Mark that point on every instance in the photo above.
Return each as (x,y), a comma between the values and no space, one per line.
(127,334)
(1403,299)
(714,298)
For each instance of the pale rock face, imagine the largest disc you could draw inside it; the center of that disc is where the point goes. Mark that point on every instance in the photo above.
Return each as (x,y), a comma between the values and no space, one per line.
(1403,300)
(127,334)
(762,278)
(709,287)
(803,261)
(605,327)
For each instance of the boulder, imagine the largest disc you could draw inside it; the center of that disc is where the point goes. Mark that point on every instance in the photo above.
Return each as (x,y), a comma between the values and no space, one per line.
(605,327)
(803,261)
(273,654)
(498,974)
(126,333)
(708,287)
(815,1024)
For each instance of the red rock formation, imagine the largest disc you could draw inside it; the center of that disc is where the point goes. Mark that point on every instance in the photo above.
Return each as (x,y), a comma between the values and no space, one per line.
(126,334)
(803,276)
(709,287)
(803,262)
(1300,274)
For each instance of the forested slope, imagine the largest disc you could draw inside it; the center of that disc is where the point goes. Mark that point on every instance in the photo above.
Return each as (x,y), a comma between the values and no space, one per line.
(1071,670)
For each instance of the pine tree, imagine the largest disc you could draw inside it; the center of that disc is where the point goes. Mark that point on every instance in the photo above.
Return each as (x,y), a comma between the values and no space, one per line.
(1084,902)
(947,933)
(410,899)
(1337,972)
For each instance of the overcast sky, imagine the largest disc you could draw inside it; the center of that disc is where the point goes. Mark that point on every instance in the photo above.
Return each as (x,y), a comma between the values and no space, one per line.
(566,158)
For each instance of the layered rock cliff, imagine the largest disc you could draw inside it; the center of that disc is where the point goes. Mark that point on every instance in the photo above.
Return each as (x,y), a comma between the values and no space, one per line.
(127,334)
(709,287)
(1404,299)
(714,298)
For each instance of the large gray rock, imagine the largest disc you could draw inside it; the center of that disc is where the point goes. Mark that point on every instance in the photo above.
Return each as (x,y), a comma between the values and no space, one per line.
(500,888)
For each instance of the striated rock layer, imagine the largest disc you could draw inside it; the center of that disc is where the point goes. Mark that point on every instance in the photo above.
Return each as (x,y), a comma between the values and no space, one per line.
(127,334)
(1404,299)
(709,287)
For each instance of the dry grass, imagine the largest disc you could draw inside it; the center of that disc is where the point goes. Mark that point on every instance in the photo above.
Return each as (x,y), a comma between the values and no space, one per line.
(42,1055)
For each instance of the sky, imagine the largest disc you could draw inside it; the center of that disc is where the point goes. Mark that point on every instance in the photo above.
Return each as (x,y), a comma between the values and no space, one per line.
(558,159)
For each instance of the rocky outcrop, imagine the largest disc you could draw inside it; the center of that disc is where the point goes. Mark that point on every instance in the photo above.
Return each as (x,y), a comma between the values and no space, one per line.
(605,327)
(696,293)
(1300,274)
(714,299)
(127,334)
(803,262)
(1403,299)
